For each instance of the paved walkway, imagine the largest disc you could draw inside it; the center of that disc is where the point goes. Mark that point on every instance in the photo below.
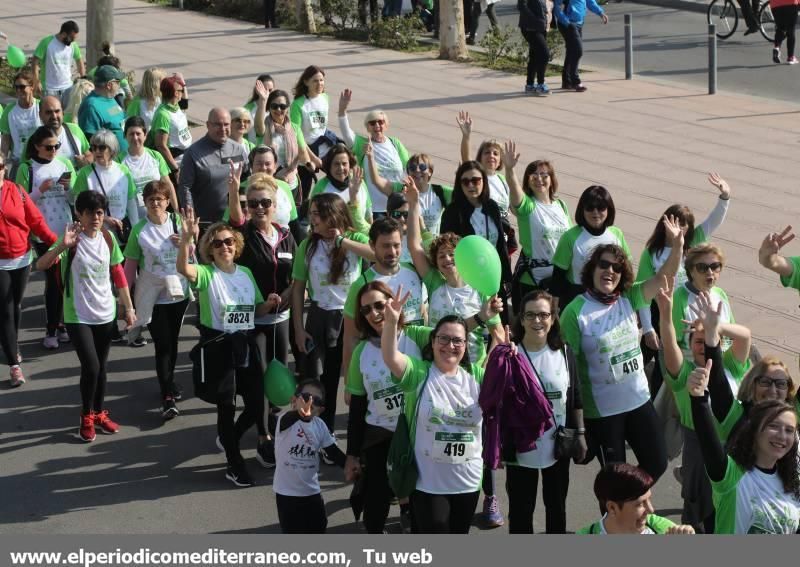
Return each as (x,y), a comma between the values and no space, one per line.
(649,143)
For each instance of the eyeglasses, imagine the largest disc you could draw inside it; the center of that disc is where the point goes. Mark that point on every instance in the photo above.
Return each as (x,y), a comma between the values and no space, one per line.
(781,384)
(421,167)
(378,306)
(399,214)
(376,122)
(19,87)
(218,242)
(98,147)
(242,121)
(471,180)
(531,316)
(445,340)
(615,266)
(600,207)
(155,200)
(540,175)
(51,147)
(702,267)
(315,400)
(278,106)
(264,203)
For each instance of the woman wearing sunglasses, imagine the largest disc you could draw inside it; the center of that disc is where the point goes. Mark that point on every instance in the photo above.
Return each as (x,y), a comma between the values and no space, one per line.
(269,251)
(602,328)
(389,154)
(19,120)
(169,132)
(48,178)
(345,179)
(594,226)
(227,356)
(20,216)
(755,483)
(376,403)
(542,217)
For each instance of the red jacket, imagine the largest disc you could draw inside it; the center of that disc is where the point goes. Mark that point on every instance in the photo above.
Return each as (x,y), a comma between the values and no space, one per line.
(18,218)
(781,3)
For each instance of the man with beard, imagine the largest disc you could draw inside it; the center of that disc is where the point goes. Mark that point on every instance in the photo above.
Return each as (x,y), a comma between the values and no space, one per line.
(52,61)
(74,145)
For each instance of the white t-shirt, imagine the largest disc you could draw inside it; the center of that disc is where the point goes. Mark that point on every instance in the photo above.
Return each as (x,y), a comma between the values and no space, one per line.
(53,203)
(499,192)
(58,65)
(463,301)
(159,254)
(90,287)
(315,118)
(584,244)
(389,166)
(225,294)
(551,368)
(448,434)
(179,134)
(8,264)
(116,185)
(431,210)
(408,278)
(484,226)
(296,459)
(66,150)
(22,122)
(146,112)
(763,506)
(143,168)
(330,296)
(547,224)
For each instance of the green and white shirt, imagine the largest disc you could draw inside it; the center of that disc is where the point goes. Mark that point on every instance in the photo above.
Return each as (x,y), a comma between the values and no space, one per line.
(311,115)
(484,226)
(655,525)
(364,199)
(753,502)
(89,299)
(682,300)
(55,72)
(541,226)
(447,433)
(576,245)
(369,376)
(150,166)
(464,301)
(406,276)
(139,107)
(19,123)
(499,191)
(431,207)
(117,185)
(390,158)
(605,339)
(227,301)
(55,202)
(66,150)
(330,296)
(171,119)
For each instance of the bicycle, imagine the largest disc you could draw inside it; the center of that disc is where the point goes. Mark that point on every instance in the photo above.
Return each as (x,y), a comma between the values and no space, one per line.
(725,16)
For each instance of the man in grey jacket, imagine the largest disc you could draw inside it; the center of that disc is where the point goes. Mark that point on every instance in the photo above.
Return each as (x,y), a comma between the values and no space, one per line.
(205,168)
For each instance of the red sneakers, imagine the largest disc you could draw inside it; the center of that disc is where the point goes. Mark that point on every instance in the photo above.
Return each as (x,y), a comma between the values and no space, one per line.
(105,424)
(86,431)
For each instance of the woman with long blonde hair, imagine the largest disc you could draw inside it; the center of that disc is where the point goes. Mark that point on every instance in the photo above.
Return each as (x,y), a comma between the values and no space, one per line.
(148,99)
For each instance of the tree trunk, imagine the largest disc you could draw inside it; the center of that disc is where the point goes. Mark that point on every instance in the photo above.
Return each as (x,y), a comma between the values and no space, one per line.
(99,29)
(452,40)
(305,16)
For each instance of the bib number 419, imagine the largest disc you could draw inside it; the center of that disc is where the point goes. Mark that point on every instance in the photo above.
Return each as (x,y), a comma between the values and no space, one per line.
(455,449)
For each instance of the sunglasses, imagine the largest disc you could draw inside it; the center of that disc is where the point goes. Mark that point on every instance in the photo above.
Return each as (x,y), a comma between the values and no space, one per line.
(19,87)
(779,383)
(315,400)
(378,306)
(98,147)
(445,340)
(376,122)
(702,267)
(600,207)
(531,316)
(399,214)
(471,180)
(51,147)
(421,167)
(264,203)
(218,242)
(278,106)
(615,266)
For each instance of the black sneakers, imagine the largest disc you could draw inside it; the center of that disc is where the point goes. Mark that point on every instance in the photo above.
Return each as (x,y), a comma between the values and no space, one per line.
(238,475)
(265,454)
(168,409)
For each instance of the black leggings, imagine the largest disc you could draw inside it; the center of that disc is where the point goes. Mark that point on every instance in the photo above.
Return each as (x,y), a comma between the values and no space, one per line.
(377,493)
(12,290)
(230,433)
(53,299)
(443,513)
(165,328)
(522,484)
(641,428)
(302,514)
(475,17)
(573,40)
(538,55)
(785,21)
(325,364)
(92,343)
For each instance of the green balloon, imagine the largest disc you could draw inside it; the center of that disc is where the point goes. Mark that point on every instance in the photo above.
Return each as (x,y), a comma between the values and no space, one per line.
(279,383)
(16,57)
(478,263)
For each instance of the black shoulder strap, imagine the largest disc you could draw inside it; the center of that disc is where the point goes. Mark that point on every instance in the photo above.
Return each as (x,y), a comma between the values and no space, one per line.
(439,190)
(102,188)
(71,139)
(569,358)
(174,217)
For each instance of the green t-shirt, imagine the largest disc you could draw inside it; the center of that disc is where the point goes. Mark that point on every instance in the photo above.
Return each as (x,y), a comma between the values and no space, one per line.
(681,311)
(117,185)
(55,70)
(364,207)
(227,301)
(793,281)
(406,276)
(655,525)
(541,227)
(171,120)
(575,247)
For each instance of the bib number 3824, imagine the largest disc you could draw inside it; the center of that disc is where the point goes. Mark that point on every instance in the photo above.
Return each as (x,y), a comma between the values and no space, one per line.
(454,448)
(239,317)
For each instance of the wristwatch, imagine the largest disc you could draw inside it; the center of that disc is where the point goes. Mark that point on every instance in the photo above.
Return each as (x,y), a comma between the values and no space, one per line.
(480,322)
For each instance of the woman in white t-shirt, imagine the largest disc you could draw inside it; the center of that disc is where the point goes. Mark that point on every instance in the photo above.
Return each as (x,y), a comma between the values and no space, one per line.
(169,132)
(537,331)
(148,99)
(145,165)
(309,112)
(90,261)
(19,119)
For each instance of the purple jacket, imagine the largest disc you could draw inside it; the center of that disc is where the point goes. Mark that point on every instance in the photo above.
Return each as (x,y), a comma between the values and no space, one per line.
(515,410)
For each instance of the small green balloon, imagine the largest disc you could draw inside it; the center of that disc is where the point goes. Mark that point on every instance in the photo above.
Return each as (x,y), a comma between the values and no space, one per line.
(16,57)
(478,263)
(279,383)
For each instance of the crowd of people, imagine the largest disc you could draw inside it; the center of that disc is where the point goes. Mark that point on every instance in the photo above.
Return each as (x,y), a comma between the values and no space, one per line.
(337,247)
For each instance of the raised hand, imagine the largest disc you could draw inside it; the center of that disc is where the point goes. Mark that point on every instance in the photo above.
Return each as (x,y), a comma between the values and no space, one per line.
(697,382)
(705,313)
(261,90)
(356,178)
(464,122)
(71,233)
(721,184)
(664,296)
(304,407)
(394,307)
(674,233)
(344,101)
(191,224)
(511,155)
(411,191)
(772,245)
(235,176)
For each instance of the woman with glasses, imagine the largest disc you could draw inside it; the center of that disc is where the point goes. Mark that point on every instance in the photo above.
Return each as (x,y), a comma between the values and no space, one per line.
(602,328)
(148,99)
(389,154)
(537,332)
(543,219)
(19,120)
(269,251)
(48,178)
(241,123)
(113,180)
(169,132)
(19,218)
(376,403)
(474,212)
(345,179)
(227,356)
(594,226)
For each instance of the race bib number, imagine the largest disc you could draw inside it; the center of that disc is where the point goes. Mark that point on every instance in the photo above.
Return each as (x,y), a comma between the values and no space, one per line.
(388,402)
(185,136)
(454,448)
(626,364)
(317,119)
(239,317)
